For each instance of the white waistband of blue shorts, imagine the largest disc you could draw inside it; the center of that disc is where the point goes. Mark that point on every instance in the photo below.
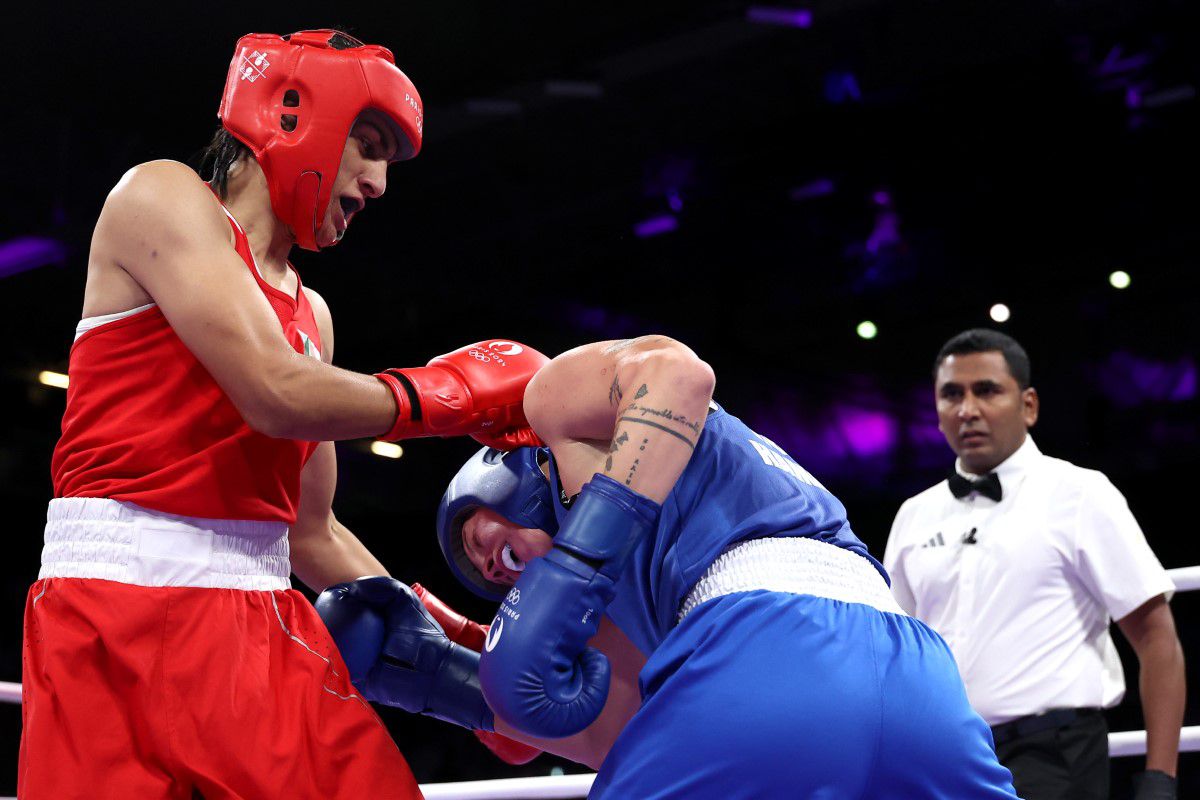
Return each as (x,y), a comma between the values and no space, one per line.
(793,565)
(92,537)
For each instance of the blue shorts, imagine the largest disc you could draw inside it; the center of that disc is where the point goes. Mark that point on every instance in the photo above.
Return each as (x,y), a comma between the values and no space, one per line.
(770,695)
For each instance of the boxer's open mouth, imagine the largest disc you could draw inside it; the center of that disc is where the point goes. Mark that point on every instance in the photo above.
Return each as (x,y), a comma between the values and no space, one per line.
(511,559)
(350,206)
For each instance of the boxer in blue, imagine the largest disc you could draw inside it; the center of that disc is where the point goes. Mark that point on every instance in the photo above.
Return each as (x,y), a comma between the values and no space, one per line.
(683,606)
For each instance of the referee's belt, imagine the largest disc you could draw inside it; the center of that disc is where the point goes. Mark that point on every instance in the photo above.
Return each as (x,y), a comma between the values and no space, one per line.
(1036,723)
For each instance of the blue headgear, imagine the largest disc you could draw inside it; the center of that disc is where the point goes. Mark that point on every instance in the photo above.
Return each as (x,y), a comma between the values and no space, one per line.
(512,485)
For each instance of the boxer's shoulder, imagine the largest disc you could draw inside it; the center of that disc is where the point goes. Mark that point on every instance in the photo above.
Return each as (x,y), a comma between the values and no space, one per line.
(319,306)
(163,193)
(153,177)
(160,204)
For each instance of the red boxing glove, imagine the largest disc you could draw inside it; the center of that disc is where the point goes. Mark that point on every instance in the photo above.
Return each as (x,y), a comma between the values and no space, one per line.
(510,751)
(477,389)
(509,440)
(460,629)
(471,634)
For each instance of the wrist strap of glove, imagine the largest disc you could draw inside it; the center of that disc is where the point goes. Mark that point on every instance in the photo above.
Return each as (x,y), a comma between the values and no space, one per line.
(447,402)
(605,524)
(456,696)
(408,405)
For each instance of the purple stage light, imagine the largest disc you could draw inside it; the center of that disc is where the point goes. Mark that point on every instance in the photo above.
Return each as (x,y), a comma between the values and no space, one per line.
(867,433)
(675,201)
(809,191)
(30,252)
(885,234)
(1130,380)
(872,437)
(788,17)
(842,87)
(1117,63)
(655,226)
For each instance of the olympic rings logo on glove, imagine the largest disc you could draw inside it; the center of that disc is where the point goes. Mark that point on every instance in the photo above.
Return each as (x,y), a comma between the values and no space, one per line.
(495,351)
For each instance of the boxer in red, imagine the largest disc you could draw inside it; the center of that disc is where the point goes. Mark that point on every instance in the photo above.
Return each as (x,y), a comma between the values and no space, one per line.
(165,655)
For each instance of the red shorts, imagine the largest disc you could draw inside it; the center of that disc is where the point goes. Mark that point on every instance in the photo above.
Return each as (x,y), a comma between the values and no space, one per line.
(170,692)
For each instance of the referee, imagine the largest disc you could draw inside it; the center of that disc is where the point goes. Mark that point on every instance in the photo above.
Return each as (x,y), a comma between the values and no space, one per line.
(1020,561)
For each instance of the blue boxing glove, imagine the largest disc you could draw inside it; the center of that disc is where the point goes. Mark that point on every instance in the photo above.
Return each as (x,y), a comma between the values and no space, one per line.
(537,671)
(399,656)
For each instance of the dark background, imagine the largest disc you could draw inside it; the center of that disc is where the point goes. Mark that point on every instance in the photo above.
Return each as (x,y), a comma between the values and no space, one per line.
(908,163)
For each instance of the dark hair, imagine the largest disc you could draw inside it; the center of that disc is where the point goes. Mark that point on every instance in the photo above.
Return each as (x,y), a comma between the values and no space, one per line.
(225,150)
(219,157)
(982,340)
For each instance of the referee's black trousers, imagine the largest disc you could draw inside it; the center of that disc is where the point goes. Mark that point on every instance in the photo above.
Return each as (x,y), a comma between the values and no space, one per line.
(1069,762)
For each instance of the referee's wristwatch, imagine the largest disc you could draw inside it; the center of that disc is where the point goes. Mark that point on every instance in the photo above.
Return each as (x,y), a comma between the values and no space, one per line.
(1153,784)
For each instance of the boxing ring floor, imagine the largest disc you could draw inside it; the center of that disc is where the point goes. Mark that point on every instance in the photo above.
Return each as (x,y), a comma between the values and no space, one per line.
(561,787)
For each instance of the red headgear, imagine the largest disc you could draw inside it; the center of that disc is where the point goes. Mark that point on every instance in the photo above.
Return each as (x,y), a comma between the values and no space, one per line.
(293,100)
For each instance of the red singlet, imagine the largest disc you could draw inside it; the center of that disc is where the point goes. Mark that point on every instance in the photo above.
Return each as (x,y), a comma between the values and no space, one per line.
(146,423)
(155,666)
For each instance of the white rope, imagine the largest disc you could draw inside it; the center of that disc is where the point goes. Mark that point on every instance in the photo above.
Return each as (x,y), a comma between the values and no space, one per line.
(1187,579)
(554,786)
(1133,743)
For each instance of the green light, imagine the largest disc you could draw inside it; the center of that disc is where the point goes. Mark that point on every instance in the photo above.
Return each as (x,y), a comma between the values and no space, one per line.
(1119,279)
(866,329)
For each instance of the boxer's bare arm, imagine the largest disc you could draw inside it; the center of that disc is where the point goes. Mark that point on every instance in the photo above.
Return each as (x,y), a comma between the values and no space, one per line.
(163,227)
(323,550)
(591,745)
(632,410)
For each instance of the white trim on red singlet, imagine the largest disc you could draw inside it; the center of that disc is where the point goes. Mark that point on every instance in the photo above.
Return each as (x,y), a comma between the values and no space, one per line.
(87,323)
(254,261)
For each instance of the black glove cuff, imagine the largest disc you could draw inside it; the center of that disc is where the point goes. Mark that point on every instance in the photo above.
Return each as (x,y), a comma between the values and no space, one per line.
(1154,784)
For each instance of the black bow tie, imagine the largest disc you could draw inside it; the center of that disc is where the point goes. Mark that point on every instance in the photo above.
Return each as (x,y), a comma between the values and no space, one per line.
(988,485)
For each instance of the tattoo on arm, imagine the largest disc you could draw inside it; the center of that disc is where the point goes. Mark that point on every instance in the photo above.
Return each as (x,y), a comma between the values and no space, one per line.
(616,445)
(621,439)
(676,434)
(614,392)
(665,414)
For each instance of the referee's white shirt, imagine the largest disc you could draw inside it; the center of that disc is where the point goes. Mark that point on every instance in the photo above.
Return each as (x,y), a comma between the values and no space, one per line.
(1026,607)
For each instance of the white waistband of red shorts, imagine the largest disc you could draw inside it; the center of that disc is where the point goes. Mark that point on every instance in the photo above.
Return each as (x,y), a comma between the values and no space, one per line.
(93,537)
(794,565)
